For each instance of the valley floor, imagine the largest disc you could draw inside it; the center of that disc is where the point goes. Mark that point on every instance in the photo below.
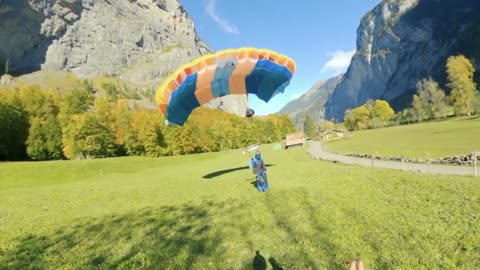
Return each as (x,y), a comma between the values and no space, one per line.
(203,212)
(436,139)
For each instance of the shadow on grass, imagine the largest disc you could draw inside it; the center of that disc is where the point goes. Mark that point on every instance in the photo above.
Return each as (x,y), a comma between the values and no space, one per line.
(275,265)
(221,172)
(320,252)
(259,262)
(189,236)
(167,237)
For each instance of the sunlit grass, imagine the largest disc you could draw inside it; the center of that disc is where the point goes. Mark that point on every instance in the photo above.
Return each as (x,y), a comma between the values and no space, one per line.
(434,139)
(202,212)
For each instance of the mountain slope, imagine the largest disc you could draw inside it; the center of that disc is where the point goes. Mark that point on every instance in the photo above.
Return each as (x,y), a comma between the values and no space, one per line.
(402,42)
(312,102)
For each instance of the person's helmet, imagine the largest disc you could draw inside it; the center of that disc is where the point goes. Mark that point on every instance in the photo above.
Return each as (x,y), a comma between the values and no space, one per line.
(258,156)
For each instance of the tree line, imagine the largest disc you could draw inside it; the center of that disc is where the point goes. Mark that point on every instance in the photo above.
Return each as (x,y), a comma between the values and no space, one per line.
(430,102)
(39,124)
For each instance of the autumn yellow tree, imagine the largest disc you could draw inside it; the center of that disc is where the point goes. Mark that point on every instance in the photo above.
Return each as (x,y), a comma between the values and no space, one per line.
(84,137)
(460,80)
(145,136)
(122,116)
(326,125)
(382,111)
(286,125)
(362,117)
(103,113)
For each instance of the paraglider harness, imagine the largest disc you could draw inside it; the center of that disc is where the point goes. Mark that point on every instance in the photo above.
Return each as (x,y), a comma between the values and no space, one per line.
(260,171)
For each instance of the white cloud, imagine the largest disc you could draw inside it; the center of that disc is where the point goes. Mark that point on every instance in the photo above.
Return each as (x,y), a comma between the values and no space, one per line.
(296,96)
(339,61)
(222,22)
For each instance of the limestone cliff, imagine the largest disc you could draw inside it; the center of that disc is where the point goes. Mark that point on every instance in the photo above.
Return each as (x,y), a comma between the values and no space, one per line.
(138,41)
(401,42)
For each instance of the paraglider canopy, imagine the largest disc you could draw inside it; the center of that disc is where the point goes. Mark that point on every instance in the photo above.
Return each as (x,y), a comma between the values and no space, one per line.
(243,71)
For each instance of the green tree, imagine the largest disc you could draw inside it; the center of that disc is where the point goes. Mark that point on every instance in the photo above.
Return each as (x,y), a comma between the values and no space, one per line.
(404,116)
(309,127)
(14,127)
(111,90)
(88,86)
(460,81)
(273,127)
(75,102)
(45,135)
(45,139)
(286,125)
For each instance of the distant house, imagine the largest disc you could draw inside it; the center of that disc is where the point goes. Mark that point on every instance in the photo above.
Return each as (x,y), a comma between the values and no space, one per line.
(295,139)
(331,134)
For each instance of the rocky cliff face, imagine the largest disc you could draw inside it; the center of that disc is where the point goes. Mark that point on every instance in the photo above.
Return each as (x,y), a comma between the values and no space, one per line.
(401,42)
(139,41)
(312,102)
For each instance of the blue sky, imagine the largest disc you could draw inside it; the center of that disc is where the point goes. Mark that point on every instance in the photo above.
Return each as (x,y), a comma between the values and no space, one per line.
(320,36)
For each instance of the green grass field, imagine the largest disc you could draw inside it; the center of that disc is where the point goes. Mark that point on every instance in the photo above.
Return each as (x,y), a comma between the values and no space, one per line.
(202,212)
(434,139)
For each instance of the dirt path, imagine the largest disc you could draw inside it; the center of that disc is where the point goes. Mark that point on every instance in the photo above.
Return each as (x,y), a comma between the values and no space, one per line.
(317,152)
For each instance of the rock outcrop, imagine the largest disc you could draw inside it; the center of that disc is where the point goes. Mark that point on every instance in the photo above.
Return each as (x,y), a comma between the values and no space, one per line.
(138,41)
(401,42)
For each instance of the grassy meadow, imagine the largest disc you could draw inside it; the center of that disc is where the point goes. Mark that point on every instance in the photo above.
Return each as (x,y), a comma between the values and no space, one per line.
(203,212)
(436,139)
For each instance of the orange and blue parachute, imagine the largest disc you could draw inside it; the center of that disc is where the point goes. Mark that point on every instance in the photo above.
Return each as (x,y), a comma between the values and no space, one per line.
(242,71)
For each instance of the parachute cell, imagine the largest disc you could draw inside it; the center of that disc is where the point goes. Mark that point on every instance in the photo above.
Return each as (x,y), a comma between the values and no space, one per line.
(264,73)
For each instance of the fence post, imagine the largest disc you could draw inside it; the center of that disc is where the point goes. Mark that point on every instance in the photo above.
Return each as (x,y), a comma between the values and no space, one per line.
(428,161)
(475,164)
(403,165)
